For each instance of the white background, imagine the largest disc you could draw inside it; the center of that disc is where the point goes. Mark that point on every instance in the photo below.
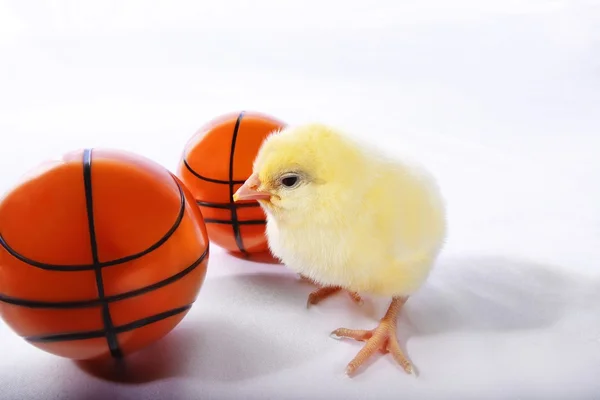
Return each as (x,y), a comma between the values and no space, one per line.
(501,99)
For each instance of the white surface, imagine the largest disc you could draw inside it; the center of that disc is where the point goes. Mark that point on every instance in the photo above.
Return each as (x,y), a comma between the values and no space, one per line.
(500,98)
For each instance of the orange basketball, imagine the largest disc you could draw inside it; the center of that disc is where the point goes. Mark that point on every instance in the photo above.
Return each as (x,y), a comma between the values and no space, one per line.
(101,254)
(215,163)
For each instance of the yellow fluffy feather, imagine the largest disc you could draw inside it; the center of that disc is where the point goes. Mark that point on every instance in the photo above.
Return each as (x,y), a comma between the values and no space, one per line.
(345,214)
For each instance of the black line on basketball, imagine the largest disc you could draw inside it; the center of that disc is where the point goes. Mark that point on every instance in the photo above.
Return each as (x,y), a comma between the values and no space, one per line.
(204,178)
(152,319)
(234,218)
(64,305)
(65,337)
(230,222)
(226,206)
(111,336)
(90,267)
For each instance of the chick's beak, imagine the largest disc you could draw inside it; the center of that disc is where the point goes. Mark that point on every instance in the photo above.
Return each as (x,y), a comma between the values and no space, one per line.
(249,190)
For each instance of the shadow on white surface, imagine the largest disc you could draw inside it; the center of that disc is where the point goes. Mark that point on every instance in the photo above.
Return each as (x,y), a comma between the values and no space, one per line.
(211,352)
(216,347)
(491,294)
(251,328)
(463,295)
(161,360)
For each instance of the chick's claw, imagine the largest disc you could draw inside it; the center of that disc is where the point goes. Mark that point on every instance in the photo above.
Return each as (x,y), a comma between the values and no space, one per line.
(356,334)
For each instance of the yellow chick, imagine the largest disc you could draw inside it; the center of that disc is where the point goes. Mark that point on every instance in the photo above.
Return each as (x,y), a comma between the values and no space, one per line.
(346,216)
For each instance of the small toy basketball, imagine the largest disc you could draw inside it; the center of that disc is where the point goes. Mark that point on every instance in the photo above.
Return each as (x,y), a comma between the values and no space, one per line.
(215,163)
(101,254)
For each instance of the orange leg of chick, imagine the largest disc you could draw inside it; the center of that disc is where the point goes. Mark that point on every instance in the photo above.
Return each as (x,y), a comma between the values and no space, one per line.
(325,291)
(383,338)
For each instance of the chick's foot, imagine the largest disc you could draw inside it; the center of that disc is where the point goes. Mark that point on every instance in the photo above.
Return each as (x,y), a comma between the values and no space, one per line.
(382,338)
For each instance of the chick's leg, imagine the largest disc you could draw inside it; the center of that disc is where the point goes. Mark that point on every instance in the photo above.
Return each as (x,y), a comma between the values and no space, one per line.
(324,292)
(383,338)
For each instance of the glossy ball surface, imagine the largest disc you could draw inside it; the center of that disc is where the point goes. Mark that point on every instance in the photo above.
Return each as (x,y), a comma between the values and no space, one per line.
(101,254)
(215,163)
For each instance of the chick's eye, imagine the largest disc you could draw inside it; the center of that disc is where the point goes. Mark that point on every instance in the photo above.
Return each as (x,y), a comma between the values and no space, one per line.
(289,181)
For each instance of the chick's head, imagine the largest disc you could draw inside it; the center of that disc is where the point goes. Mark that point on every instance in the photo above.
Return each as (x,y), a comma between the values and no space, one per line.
(301,170)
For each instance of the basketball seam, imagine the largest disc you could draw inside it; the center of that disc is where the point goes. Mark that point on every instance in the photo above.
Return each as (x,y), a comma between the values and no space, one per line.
(111,335)
(82,335)
(234,218)
(119,261)
(204,178)
(79,304)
